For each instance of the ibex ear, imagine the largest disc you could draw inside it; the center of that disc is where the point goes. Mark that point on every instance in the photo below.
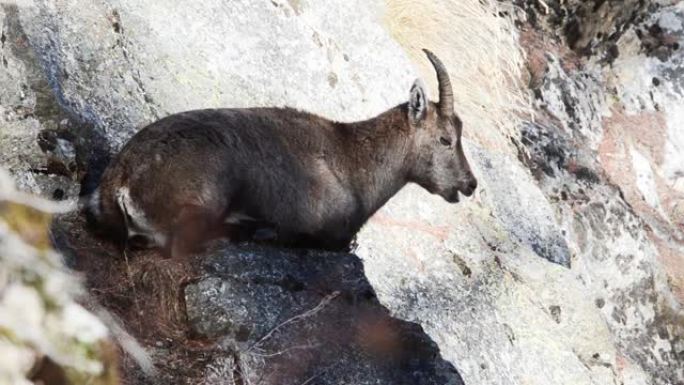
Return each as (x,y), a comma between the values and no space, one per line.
(417,106)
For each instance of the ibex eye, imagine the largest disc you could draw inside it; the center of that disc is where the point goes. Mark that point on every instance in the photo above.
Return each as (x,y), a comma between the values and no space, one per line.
(445,141)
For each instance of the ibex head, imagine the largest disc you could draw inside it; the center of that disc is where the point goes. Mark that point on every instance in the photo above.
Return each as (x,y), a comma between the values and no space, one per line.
(441,166)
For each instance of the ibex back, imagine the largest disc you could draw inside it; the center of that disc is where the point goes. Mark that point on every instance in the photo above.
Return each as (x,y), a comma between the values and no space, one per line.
(277,173)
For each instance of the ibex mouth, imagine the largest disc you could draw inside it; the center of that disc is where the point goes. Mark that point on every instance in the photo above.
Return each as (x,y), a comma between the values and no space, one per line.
(452,196)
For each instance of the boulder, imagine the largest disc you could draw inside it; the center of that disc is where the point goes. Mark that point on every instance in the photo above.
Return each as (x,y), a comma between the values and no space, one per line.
(290,317)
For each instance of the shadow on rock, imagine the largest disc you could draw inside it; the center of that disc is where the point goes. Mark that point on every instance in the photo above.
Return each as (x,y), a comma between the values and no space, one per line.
(305,317)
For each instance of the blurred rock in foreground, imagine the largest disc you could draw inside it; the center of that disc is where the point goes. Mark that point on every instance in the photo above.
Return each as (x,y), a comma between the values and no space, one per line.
(45,335)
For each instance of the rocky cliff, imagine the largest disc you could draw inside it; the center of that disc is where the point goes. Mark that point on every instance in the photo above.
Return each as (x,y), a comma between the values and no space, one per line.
(567,266)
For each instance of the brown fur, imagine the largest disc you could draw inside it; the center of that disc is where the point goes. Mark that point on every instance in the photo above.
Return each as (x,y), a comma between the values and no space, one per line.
(277,173)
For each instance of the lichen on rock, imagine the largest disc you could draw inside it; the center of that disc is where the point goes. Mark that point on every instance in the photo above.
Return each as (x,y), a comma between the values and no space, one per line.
(44,333)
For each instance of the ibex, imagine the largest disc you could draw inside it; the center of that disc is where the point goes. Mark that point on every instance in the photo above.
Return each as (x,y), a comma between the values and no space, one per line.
(277,173)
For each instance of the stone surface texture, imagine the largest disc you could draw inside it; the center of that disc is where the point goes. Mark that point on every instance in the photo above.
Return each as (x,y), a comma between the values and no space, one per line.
(566,267)
(296,316)
(46,336)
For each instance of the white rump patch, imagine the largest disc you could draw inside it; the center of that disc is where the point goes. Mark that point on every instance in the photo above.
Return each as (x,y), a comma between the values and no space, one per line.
(236,218)
(136,222)
(94,204)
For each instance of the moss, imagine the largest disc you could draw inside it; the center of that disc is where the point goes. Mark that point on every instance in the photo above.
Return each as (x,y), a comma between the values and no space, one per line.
(32,225)
(9,336)
(71,361)
(105,353)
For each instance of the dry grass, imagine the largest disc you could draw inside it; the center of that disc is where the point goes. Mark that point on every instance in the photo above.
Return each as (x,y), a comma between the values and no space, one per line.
(480,49)
(139,296)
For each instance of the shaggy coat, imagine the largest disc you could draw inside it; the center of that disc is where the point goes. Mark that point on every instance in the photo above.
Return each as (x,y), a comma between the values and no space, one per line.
(277,174)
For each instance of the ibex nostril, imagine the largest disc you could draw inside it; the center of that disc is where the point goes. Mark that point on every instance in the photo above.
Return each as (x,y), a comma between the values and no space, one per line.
(470,188)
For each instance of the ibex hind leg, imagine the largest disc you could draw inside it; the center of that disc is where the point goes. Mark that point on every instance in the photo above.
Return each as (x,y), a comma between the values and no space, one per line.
(325,242)
(251,231)
(105,219)
(140,233)
(194,226)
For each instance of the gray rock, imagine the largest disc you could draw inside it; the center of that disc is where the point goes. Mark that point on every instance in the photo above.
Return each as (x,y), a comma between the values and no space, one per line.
(113,67)
(27,109)
(292,317)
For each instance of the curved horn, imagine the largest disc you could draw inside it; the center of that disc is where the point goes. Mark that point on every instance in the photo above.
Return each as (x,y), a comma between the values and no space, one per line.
(446,94)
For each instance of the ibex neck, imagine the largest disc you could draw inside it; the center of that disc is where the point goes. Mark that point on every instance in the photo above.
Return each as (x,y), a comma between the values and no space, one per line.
(378,153)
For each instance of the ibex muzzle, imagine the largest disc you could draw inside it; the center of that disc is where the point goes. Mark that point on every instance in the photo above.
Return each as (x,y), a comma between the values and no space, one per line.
(292,177)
